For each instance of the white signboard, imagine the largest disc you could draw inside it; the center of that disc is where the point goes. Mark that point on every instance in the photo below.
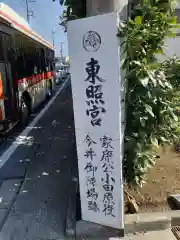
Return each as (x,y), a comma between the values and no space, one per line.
(95,75)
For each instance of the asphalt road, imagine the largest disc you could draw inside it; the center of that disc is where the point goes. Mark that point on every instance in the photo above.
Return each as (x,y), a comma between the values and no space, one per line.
(44,157)
(12,169)
(6,141)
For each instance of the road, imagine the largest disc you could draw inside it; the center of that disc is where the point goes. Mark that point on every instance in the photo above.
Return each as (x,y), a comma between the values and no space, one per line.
(6,141)
(5,171)
(37,176)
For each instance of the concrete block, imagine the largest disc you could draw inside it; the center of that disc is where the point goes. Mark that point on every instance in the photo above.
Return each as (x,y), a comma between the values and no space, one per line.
(175,217)
(137,226)
(159,235)
(147,222)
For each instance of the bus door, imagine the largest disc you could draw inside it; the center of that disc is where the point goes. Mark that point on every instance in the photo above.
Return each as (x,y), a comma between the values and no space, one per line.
(9,87)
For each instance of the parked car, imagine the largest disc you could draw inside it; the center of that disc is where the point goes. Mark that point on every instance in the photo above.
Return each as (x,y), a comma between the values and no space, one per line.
(58,77)
(61,73)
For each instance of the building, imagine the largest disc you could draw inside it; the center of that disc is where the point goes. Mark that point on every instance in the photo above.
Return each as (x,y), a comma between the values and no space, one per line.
(173,44)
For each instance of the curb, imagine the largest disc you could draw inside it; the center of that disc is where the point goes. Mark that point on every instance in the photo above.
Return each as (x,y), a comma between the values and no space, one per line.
(151,221)
(143,222)
(175,218)
(147,222)
(71,218)
(70,231)
(9,191)
(70,227)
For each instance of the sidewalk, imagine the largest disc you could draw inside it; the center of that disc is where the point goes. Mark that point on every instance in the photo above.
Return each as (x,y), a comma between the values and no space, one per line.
(47,156)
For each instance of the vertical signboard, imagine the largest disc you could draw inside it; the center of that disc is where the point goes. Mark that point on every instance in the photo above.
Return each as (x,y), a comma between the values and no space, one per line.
(95,79)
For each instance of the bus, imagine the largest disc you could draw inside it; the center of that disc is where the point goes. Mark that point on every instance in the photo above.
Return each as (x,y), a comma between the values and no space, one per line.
(26,69)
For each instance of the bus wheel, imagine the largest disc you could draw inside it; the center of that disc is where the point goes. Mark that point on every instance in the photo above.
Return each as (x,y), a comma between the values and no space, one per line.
(49,89)
(25,111)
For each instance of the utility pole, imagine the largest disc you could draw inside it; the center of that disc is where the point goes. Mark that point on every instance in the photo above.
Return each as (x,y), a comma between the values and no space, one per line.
(29,13)
(61,51)
(27,10)
(53,36)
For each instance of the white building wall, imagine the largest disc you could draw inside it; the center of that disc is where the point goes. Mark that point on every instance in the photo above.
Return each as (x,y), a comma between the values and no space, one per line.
(172,45)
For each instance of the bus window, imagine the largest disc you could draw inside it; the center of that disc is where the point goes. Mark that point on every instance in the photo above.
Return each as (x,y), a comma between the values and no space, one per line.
(9,48)
(1,49)
(29,58)
(42,56)
(20,64)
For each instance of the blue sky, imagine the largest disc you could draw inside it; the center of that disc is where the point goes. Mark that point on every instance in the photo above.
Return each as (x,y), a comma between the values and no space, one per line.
(46,18)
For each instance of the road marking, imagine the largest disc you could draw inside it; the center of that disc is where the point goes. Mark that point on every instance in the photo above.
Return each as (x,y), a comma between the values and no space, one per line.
(7,154)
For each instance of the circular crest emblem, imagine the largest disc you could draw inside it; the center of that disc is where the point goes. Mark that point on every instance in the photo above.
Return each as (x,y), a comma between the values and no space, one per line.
(91,41)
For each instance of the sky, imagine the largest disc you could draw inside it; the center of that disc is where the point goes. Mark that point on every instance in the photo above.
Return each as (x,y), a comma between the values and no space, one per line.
(45,19)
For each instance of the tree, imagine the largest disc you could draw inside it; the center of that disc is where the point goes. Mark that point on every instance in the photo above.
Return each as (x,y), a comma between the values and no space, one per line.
(82,8)
(153,87)
(73,9)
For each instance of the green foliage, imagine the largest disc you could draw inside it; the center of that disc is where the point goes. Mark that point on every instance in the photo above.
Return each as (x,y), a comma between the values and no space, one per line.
(73,9)
(152,87)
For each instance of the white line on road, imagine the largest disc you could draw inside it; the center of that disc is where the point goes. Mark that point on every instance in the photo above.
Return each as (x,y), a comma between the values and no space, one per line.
(7,154)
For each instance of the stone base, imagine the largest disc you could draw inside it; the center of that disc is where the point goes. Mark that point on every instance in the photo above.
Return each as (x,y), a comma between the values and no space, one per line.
(174,201)
(88,230)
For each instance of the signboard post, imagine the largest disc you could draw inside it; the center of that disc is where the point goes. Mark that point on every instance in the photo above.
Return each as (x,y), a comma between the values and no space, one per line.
(95,78)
